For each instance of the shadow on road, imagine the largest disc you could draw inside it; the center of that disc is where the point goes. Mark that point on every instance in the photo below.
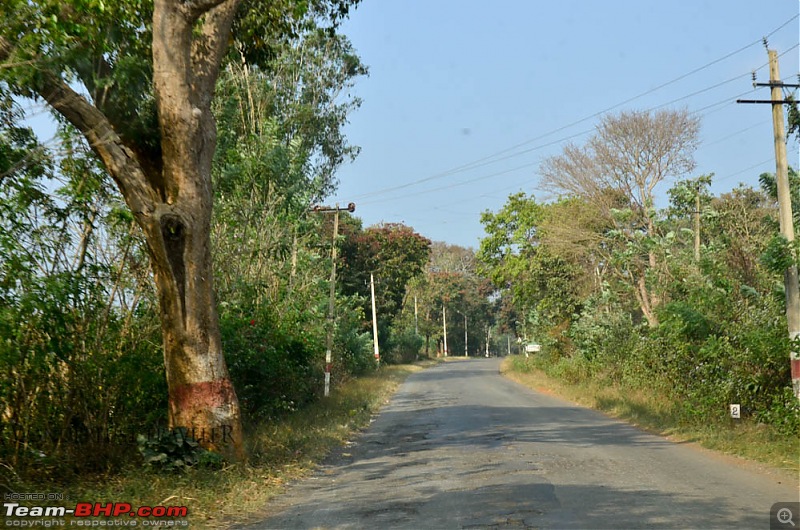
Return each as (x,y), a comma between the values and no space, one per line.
(449,454)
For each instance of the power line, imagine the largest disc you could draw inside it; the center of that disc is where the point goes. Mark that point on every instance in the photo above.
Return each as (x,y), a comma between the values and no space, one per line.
(745,170)
(740,131)
(727,100)
(493,158)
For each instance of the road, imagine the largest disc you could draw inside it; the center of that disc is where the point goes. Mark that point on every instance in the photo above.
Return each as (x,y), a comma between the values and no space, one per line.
(459,446)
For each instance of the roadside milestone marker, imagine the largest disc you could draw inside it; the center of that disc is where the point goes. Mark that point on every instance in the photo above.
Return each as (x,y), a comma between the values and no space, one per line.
(736,411)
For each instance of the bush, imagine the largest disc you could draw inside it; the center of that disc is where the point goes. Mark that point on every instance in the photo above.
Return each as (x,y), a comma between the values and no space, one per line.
(353,345)
(274,364)
(403,347)
(170,451)
(783,413)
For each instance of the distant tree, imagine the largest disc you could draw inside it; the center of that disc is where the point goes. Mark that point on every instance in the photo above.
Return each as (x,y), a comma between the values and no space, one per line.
(394,254)
(617,172)
(542,284)
(452,258)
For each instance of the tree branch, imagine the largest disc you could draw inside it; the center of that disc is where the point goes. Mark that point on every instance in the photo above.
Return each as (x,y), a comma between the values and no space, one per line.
(119,160)
(209,47)
(195,9)
(5,53)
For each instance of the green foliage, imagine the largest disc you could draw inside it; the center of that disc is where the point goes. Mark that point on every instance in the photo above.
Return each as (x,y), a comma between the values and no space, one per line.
(404,347)
(780,254)
(517,255)
(80,369)
(394,255)
(716,333)
(355,350)
(273,368)
(783,413)
(769,184)
(603,332)
(81,366)
(175,451)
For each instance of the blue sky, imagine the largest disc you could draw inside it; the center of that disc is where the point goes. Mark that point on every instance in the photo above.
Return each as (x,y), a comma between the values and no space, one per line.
(455,81)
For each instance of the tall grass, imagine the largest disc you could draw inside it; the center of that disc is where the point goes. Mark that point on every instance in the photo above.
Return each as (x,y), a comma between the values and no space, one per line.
(280,451)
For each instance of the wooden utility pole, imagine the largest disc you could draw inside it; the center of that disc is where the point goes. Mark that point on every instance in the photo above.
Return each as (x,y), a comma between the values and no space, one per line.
(374,319)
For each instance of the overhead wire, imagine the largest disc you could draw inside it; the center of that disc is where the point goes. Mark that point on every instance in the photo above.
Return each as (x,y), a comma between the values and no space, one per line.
(745,170)
(727,100)
(496,157)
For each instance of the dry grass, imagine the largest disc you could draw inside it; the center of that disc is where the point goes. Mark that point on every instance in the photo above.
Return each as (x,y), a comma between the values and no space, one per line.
(653,413)
(280,452)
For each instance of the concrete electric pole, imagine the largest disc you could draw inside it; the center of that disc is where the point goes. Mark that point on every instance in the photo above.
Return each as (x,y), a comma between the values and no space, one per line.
(697,225)
(444,326)
(332,301)
(374,319)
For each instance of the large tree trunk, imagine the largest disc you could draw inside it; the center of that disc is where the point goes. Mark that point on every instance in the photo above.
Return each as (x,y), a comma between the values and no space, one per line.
(186,66)
(201,396)
(169,193)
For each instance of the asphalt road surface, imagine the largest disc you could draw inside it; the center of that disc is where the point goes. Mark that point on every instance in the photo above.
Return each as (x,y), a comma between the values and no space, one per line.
(459,446)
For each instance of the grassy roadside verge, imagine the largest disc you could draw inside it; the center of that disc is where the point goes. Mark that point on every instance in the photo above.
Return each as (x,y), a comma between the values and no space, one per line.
(653,413)
(281,452)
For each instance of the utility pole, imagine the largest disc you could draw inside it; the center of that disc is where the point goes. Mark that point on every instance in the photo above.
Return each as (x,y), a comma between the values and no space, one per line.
(785,208)
(416,323)
(697,225)
(787,227)
(466,349)
(374,319)
(332,301)
(444,325)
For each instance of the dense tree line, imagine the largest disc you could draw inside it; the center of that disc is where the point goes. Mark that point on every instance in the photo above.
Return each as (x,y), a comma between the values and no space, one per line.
(83,367)
(137,81)
(616,288)
(170,223)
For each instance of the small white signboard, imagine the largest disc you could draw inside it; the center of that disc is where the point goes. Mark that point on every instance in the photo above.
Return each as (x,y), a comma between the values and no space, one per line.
(533,348)
(736,411)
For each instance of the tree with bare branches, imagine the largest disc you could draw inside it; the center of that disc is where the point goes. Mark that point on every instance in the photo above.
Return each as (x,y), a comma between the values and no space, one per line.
(618,171)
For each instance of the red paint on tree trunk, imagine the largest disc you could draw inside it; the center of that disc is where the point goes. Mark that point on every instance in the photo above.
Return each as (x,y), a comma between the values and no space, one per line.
(204,395)
(795,368)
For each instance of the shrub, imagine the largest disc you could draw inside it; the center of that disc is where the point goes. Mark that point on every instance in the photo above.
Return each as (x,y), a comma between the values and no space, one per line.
(404,346)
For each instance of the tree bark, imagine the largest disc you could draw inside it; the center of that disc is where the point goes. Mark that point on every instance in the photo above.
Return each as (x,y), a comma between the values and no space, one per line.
(171,199)
(187,51)
(644,298)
